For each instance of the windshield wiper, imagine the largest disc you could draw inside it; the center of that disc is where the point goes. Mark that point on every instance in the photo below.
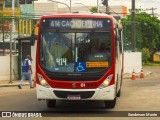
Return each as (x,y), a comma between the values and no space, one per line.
(64,38)
(86,38)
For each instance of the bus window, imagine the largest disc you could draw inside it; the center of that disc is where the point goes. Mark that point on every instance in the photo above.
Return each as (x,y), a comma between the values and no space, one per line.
(62,50)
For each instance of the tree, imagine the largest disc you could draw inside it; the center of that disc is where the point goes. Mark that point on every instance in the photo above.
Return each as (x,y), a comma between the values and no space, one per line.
(93,9)
(147,31)
(145,55)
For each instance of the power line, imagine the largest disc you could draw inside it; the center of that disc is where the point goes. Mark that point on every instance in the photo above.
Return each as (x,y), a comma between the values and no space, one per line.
(152,9)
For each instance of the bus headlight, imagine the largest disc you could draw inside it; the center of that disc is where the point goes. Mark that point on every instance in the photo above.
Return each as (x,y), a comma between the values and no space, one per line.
(43,81)
(106,81)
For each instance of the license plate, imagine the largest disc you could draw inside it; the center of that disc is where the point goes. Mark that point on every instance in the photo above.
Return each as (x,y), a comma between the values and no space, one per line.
(73,97)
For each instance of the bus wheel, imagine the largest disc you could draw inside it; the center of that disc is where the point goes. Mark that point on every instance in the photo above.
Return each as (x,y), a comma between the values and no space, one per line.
(51,103)
(119,92)
(110,103)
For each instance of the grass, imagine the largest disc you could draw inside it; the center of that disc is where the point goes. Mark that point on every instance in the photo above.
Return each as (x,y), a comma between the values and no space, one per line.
(151,64)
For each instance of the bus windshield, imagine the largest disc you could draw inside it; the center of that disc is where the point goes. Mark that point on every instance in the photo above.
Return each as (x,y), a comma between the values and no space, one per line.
(73,52)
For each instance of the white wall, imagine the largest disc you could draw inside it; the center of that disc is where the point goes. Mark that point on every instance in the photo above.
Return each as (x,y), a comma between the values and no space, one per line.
(132,60)
(5,67)
(33,54)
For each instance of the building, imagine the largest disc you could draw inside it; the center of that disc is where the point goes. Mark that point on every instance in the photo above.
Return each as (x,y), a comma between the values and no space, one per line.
(120,11)
(45,9)
(26,17)
(156,57)
(22,26)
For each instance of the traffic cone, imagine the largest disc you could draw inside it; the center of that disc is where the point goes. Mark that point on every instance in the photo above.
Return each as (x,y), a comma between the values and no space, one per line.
(133,75)
(142,74)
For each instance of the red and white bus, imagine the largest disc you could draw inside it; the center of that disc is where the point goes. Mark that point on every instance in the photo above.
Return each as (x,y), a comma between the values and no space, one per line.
(79,57)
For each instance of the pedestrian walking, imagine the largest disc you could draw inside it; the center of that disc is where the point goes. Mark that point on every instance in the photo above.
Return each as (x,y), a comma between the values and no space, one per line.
(26,71)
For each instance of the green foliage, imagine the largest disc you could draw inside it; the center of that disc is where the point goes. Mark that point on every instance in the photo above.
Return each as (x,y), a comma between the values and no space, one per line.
(93,9)
(145,55)
(147,31)
(151,64)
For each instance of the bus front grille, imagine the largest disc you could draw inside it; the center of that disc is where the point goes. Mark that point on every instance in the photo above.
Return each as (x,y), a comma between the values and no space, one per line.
(75,78)
(65,94)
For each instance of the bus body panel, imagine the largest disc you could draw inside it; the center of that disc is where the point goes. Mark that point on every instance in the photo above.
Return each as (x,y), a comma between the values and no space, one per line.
(68,84)
(100,94)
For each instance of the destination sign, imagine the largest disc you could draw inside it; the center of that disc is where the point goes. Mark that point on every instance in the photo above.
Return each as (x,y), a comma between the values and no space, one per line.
(96,64)
(76,23)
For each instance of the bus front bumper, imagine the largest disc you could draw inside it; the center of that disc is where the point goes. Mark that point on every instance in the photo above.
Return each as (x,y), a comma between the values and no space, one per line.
(107,93)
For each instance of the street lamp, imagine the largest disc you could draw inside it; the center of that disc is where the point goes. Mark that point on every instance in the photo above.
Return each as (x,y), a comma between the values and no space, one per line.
(69,7)
(89,8)
(84,6)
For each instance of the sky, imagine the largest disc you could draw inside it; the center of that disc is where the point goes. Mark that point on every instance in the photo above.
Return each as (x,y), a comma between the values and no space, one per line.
(144,4)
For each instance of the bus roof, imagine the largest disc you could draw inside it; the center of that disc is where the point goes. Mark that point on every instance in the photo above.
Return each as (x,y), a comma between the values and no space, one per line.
(78,15)
(81,15)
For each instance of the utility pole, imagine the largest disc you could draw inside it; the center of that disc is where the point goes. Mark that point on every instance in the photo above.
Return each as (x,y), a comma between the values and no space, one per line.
(97,6)
(133,40)
(152,9)
(70,6)
(105,3)
(11,39)
(107,7)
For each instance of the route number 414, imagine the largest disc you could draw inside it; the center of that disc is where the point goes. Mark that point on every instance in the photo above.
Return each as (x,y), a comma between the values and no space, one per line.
(61,61)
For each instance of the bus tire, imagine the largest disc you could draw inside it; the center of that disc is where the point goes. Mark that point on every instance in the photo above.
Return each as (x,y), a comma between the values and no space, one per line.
(110,103)
(119,92)
(51,103)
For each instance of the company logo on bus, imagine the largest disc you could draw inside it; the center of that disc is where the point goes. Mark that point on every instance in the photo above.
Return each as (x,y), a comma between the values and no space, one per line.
(74,85)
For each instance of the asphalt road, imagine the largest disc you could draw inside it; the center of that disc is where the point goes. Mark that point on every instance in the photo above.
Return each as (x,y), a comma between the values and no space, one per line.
(137,95)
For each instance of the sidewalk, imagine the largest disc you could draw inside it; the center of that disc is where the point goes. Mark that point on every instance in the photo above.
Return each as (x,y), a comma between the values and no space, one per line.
(7,83)
(7,88)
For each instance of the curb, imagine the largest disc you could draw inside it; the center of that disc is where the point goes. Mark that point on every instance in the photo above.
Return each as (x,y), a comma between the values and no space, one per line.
(13,84)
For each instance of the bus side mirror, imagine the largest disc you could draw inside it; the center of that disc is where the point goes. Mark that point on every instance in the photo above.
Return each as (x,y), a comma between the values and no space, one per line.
(33,36)
(33,39)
